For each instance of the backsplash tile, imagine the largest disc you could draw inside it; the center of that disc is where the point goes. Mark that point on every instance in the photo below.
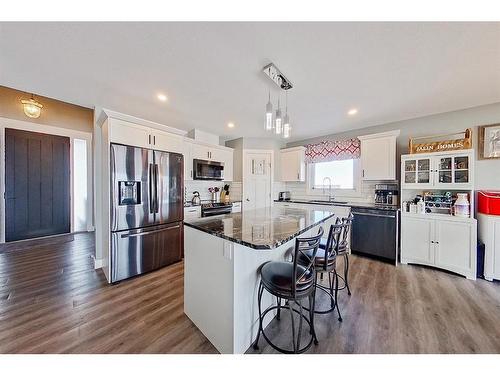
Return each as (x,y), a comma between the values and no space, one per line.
(202,188)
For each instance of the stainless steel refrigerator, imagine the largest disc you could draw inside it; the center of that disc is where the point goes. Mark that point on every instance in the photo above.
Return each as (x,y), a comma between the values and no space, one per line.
(147,210)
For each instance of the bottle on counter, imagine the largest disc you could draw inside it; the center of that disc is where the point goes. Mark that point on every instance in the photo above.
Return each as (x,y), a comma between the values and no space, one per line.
(462,206)
(421,206)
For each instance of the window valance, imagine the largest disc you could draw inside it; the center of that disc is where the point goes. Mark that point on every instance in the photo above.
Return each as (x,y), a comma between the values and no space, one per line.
(333,150)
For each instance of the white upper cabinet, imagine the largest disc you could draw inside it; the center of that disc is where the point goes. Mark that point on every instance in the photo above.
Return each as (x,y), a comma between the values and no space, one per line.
(443,170)
(128,133)
(378,156)
(167,142)
(200,151)
(227,159)
(293,167)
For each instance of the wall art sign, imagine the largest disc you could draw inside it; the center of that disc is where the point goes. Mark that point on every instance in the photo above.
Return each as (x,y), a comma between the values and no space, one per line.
(489,141)
(463,143)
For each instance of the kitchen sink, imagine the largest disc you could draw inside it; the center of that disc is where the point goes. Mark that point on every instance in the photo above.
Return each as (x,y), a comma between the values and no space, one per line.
(329,202)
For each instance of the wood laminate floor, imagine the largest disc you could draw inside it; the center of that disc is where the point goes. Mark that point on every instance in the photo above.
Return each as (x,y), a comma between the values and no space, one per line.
(53,301)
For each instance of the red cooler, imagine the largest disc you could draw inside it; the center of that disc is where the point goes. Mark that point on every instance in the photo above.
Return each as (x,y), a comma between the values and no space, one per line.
(488,202)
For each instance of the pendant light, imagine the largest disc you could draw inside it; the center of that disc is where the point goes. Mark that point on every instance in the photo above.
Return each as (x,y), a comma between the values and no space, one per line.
(286,120)
(278,120)
(269,114)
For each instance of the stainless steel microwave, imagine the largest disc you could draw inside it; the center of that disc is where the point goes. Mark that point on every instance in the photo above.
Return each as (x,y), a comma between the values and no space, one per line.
(208,170)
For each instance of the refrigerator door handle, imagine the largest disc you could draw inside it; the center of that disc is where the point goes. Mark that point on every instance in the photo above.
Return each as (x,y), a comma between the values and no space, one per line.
(139,234)
(156,182)
(151,189)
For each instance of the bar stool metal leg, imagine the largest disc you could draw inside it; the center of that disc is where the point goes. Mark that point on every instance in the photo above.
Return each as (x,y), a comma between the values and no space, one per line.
(346,272)
(259,298)
(336,294)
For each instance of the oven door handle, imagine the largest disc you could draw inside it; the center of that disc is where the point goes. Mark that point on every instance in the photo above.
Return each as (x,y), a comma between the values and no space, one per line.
(215,212)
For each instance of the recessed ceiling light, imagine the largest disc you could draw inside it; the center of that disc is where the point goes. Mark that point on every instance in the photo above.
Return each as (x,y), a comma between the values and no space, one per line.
(352,111)
(230,125)
(162,97)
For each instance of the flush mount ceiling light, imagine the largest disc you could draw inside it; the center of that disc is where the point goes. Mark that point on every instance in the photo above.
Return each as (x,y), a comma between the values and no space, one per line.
(281,125)
(162,97)
(31,107)
(230,125)
(352,111)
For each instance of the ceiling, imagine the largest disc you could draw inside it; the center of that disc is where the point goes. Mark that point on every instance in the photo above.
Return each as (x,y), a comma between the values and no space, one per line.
(211,72)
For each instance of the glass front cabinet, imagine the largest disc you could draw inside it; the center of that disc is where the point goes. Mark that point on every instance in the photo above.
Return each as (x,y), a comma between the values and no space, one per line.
(449,170)
(417,172)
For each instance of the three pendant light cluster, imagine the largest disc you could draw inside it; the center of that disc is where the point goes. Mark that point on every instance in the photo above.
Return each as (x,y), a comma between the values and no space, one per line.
(275,122)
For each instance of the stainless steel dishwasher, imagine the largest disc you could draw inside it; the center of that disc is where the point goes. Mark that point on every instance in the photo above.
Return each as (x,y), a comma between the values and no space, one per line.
(375,232)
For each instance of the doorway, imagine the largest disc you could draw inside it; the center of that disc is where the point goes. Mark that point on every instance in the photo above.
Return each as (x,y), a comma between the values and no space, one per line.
(37,185)
(257,178)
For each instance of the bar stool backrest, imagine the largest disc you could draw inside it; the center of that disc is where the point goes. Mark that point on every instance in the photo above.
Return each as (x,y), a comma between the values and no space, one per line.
(332,241)
(346,228)
(303,247)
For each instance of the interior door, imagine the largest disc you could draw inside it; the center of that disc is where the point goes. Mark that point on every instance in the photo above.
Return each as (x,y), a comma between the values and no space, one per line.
(37,185)
(257,180)
(170,187)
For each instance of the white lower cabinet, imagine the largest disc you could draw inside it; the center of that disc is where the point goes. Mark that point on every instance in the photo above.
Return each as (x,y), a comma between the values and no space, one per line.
(489,233)
(417,241)
(447,244)
(192,212)
(236,207)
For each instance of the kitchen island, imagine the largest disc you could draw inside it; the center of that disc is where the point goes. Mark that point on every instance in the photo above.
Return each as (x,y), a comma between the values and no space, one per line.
(222,257)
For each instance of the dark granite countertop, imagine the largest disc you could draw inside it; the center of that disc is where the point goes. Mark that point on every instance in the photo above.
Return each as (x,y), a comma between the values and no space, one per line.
(265,228)
(377,206)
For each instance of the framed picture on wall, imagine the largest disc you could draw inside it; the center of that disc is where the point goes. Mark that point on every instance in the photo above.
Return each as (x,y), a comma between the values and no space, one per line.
(489,141)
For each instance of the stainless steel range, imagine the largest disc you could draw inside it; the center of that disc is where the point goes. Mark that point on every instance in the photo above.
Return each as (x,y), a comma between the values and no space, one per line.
(213,208)
(146,210)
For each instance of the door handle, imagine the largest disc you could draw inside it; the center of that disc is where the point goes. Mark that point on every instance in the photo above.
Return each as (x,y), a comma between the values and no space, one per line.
(140,234)
(151,202)
(248,200)
(156,187)
(363,173)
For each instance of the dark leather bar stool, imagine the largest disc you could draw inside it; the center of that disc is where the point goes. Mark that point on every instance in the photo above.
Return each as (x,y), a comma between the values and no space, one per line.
(343,249)
(293,282)
(326,262)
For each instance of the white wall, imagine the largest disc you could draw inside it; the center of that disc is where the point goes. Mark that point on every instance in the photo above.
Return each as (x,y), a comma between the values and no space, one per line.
(249,143)
(487,171)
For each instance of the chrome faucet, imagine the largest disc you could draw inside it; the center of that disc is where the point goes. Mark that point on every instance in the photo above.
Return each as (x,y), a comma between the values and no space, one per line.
(330,197)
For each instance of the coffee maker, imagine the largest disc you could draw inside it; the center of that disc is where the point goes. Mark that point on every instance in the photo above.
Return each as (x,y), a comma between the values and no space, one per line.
(387,194)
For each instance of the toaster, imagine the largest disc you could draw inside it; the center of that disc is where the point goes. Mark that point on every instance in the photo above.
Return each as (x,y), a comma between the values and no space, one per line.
(284,196)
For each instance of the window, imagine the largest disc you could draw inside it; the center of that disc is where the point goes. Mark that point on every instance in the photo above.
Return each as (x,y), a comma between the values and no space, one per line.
(343,174)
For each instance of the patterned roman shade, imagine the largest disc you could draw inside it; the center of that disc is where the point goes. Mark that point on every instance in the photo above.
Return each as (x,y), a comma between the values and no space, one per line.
(333,150)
